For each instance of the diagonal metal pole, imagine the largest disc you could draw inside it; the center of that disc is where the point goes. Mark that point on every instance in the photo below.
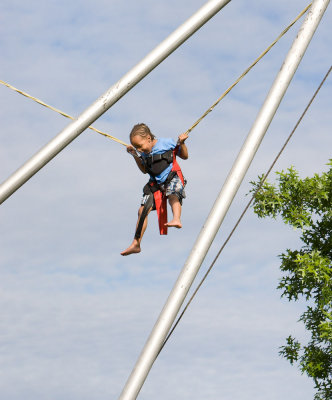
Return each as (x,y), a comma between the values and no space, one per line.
(223,202)
(110,97)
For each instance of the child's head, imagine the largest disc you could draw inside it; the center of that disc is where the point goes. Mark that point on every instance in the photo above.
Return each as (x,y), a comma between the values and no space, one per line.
(141,130)
(142,138)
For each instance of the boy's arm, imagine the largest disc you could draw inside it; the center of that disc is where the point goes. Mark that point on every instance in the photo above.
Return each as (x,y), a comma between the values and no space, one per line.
(131,150)
(183,150)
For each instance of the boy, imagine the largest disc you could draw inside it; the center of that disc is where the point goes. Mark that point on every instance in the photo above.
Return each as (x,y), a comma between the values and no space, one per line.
(157,157)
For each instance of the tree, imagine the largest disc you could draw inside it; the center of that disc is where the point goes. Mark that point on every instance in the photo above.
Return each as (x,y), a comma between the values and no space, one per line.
(306,204)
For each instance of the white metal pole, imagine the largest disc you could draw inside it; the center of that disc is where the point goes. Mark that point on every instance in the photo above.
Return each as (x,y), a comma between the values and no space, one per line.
(223,202)
(110,97)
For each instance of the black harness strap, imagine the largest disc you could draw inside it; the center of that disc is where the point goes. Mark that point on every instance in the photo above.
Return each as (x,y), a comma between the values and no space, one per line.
(156,163)
(148,204)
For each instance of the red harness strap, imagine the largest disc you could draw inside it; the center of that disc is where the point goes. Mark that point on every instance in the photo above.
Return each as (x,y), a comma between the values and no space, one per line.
(161,200)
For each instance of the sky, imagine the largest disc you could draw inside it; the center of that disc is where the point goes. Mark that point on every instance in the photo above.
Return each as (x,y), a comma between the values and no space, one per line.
(75,314)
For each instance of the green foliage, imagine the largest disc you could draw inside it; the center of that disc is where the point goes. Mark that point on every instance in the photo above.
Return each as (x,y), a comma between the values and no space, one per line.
(306,204)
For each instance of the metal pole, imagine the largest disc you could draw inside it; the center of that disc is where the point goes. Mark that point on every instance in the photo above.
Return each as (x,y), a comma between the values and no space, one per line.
(110,97)
(223,202)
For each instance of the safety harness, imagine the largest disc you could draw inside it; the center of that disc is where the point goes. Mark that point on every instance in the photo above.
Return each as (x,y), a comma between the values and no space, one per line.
(155,165)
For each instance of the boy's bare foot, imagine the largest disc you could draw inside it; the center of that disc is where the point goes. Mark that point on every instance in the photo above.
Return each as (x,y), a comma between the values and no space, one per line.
(175,223)
(132,249)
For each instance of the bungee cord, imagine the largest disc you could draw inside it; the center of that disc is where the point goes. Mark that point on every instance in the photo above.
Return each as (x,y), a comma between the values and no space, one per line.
(41,102)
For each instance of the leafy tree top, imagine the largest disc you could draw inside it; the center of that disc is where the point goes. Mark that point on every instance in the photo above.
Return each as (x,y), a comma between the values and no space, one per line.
(306,204)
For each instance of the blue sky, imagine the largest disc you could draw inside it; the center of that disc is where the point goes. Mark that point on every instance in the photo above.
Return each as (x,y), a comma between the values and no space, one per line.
(74,313)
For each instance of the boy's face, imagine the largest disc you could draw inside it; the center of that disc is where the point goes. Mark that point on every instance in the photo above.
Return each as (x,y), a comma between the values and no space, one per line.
(142,144)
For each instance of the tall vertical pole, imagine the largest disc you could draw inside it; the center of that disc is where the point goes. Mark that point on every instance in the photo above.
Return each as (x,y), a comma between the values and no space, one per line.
(110,97)
(223,202)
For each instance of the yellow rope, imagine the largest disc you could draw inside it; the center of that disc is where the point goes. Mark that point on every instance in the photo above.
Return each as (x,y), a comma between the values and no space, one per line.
(248,69)
(59,111)
(206,112)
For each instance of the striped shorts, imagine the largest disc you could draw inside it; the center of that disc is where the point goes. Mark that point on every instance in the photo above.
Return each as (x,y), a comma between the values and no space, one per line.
(175,186)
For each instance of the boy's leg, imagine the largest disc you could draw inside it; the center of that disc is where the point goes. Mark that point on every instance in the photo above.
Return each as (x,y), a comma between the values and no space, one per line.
(135,246)
(176,209)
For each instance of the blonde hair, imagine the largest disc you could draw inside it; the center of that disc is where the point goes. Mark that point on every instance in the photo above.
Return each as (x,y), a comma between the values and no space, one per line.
(141,130)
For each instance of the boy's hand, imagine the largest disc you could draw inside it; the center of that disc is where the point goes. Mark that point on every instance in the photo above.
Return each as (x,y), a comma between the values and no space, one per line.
(131,150)
(183,137)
